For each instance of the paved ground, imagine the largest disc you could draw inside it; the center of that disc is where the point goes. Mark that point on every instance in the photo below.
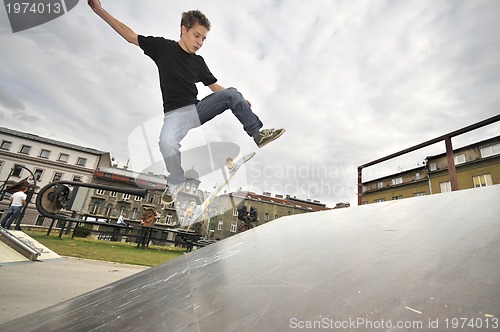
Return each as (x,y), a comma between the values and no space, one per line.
(27,286)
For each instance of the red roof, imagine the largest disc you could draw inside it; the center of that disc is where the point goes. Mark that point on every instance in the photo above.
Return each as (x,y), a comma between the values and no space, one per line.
(288,201)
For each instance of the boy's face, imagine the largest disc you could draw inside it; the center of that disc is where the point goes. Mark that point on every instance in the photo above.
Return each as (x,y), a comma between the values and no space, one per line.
(192,39)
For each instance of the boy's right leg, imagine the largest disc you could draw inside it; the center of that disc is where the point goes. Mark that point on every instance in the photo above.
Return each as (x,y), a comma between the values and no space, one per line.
(176,125)
(232,99)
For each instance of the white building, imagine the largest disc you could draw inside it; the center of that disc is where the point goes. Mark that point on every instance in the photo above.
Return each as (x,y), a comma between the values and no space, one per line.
(49,160)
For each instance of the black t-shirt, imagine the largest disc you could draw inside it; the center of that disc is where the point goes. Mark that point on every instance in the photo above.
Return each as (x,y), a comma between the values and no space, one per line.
(178,70)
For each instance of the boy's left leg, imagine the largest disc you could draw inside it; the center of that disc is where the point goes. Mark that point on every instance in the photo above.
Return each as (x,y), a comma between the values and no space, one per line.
(232,99)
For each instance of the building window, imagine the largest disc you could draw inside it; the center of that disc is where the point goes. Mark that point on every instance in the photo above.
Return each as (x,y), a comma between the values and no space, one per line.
(25,149)
(126,197)
(109,209)
(380,185)
(419,194)
(460,159)
(276,216)
(113,194)
(266,217)
(57,176)
(417,176)
(187,187)
(490,151)
(63,157)
(379,200)
(17,171)
(395,198)
(38,174)
(6,145)
(235,212)
(44,154)
(445,187)
(219,226)
(100,192)
(482,180)
(81,161)
(135,213)
(396,181)
(77,178)
(138,198)
(433,167)
(169,219)
(95,208)
(234,226)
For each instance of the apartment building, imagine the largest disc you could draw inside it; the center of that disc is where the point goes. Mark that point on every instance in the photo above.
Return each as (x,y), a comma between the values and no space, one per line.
(477,165)
(224,217)
(36,160)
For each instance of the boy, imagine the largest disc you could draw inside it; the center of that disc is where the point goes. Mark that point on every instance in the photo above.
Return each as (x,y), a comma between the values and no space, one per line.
(179,69)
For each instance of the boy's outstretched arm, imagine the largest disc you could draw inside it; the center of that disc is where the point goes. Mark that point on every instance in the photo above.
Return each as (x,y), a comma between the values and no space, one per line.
(123,30)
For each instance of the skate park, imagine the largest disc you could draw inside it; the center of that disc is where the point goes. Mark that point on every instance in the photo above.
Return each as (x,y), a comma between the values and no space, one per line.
(424,261)
(421,263)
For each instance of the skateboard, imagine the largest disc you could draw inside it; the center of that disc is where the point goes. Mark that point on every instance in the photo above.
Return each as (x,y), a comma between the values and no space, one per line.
(194,211)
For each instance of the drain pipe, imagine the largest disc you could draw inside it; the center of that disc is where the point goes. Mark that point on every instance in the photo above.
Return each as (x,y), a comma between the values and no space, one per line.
(428,175)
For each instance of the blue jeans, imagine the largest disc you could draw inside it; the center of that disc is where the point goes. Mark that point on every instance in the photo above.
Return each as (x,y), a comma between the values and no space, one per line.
(177,123)
(11,215)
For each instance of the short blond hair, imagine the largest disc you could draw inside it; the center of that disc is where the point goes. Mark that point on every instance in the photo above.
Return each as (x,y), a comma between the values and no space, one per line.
(190,18)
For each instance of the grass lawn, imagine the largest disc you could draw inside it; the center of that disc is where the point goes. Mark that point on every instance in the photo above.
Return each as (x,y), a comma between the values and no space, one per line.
(110,251)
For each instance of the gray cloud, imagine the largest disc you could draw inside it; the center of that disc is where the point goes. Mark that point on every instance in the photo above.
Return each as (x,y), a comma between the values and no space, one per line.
(9,99)
(350,81)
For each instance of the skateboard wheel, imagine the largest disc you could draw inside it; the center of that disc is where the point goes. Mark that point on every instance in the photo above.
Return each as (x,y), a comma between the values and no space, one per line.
(190,209)
(230,163)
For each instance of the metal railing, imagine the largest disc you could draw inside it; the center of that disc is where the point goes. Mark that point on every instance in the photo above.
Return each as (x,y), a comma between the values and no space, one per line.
(449,154)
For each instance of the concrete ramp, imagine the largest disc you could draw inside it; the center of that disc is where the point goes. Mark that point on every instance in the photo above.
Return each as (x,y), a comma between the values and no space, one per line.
(425,263)
(9,254)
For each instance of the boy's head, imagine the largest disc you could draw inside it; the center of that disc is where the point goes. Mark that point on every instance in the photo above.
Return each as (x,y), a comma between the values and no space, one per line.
(194,28)
(190,18)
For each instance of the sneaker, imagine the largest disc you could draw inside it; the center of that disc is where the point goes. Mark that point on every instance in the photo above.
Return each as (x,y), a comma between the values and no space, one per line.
(266,136)
(170,193)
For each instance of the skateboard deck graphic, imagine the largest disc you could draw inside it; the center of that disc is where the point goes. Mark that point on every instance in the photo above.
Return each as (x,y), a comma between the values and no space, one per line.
(195,211)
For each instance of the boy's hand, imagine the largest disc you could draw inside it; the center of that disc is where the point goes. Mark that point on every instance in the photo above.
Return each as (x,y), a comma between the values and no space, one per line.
(94,4)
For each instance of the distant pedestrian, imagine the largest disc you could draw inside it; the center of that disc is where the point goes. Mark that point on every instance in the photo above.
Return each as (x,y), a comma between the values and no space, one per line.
(17,201)
(121,220)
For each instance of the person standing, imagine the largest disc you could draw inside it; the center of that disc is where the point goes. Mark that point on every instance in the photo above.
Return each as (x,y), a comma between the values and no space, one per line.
(17,201)
(180,68)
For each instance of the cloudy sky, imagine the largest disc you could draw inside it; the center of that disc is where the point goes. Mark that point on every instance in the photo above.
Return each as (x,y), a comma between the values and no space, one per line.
(351,81)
